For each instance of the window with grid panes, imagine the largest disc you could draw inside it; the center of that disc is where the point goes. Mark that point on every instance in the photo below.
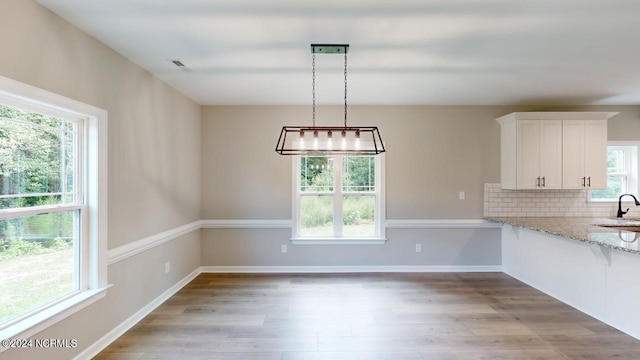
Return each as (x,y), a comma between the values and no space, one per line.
(52,251)
(622,173)
(338,197)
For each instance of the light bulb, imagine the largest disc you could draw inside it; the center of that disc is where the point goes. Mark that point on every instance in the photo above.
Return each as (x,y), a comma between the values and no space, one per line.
(301,139)
(357,140)
(343,144)
(329,140)
(315,139)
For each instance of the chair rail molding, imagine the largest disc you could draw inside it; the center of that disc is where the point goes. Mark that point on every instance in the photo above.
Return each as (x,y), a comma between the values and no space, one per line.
(125,251)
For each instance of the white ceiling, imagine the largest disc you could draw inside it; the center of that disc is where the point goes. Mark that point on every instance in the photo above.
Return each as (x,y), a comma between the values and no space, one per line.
(436,52)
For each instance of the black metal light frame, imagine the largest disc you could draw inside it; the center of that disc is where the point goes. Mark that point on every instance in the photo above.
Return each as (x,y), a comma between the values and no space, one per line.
(366,133)
(364,140)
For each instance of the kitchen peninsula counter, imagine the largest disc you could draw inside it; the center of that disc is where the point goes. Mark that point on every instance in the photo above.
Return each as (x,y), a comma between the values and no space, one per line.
(591,268)
(581,229)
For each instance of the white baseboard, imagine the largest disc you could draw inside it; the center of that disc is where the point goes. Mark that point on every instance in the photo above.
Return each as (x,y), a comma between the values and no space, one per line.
(351,269)
(119,330)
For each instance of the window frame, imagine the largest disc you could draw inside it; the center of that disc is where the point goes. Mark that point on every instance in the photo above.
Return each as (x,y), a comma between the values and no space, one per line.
(337,193)
(92,182)
(632,176)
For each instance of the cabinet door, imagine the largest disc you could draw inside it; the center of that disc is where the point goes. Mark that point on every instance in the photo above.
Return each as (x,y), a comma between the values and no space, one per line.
(573,174)
(595,153)
(528,163)
(551,154)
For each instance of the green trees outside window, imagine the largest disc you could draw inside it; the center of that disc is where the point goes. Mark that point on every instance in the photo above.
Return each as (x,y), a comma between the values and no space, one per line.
(37,171)
(340,186)
(619,173)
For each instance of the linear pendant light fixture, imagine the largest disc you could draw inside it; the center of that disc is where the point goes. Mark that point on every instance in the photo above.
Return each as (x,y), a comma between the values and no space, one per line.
(327,140)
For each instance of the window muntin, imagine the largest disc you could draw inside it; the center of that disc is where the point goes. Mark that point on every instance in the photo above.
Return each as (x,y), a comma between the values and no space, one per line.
(338,197)
(622,173)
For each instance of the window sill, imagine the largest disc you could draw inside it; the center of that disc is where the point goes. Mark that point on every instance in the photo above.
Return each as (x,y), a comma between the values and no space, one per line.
(47,317)
(338,241)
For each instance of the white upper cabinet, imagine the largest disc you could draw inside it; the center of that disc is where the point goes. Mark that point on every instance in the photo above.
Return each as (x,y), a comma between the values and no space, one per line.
(554,150)
(595,153)
(585,154)
(528,152)
(539,154)
(550,154)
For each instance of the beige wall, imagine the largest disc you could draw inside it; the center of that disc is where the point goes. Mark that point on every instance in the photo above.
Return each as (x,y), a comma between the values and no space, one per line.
(154,159)
(153,130)
(440,247)
(434,152)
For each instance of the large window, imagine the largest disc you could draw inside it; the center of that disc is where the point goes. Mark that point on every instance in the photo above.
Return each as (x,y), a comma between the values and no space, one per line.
(43,209)
(338,197)
(51,247)
(622,172)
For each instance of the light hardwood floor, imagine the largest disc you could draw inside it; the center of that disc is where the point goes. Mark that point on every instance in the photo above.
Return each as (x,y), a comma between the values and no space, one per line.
(367,316)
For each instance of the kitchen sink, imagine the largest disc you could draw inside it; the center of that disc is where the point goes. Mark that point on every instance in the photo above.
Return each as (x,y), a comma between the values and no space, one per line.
(634,227)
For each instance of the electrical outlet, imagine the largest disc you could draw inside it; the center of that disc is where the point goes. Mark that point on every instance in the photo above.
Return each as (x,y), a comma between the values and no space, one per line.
(461,195)
(283,248)
(418,248)
(167,267)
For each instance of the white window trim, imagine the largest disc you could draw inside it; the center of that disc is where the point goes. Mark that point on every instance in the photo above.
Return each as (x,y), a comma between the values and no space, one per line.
(634,183)
(379,238)
(95,182)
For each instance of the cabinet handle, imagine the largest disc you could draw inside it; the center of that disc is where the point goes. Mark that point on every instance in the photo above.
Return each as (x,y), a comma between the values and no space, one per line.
(589,183)
(538,181)
(584,183)
(544,182)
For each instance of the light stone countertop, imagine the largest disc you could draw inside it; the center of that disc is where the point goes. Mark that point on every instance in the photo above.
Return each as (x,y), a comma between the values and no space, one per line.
(582,229)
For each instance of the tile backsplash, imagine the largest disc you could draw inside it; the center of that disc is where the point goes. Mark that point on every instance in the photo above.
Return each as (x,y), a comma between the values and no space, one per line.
(546,203)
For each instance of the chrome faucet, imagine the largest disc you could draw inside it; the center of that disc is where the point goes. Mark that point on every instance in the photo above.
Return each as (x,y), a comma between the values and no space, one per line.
(620,212)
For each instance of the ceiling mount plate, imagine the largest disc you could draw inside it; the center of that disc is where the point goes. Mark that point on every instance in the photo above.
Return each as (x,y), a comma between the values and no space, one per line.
(329,48)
